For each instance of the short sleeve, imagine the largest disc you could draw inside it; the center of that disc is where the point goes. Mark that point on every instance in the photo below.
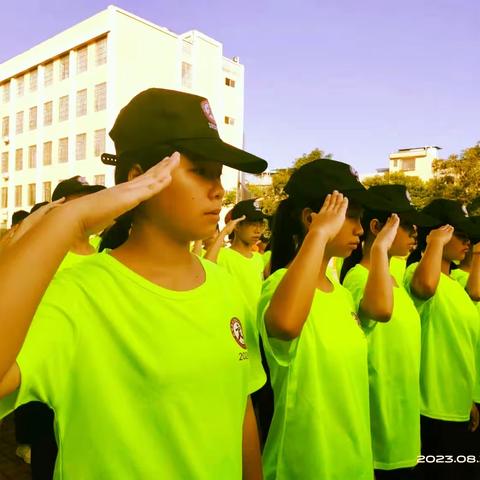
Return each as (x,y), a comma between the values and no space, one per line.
(355,282)
(46,355)
(281,351)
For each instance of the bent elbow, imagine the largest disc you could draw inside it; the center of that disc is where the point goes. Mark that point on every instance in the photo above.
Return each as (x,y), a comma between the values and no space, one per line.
(279,326)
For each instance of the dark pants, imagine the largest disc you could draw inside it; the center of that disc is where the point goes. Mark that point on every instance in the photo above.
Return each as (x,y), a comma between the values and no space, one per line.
(34,426)
(444,442)
(397,474)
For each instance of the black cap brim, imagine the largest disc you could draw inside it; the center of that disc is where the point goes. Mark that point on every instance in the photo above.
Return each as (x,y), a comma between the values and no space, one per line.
(363,197)
(86,189)
(214,150)
(417,218)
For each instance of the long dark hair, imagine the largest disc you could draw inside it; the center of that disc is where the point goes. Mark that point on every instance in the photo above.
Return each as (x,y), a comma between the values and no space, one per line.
(416,254)
(288,231)
(118,233)
(357,254)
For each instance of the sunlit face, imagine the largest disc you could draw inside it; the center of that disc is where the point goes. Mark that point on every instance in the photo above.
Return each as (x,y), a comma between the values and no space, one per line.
(457,247)
(250,232)
(405,240)
(189,208)
(348,238)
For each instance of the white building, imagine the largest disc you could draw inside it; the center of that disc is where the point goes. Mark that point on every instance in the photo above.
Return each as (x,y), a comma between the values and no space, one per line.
(59,99)
(414,161)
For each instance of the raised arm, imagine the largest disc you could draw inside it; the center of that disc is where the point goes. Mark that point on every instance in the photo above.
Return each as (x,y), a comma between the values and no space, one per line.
(28,263)
(212,252)
(377,300)
(427,275)
(473,283)
(292,300)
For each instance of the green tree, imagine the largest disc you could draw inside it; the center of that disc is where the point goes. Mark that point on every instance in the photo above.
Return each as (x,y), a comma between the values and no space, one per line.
(315,154)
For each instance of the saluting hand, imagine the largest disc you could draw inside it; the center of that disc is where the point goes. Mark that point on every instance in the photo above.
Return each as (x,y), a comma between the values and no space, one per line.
(98,210)
(441,235)
(329,220)
(387,234)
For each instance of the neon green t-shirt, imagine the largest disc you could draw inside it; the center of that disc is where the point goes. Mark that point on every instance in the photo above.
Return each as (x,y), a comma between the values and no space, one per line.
(70,260)
(321,426)
(450,326)
(247,271)
(462,277)
(266,256)
(145,382)
(398,265)
(394,369)
(95,241)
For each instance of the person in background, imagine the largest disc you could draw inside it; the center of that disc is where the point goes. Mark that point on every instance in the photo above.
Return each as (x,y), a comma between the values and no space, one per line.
(450,330)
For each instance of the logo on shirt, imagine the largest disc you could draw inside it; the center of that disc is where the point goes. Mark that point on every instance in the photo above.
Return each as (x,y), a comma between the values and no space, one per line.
(237,332)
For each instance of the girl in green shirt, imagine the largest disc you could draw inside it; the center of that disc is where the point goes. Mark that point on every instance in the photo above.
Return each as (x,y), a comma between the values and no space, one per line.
(392,326)
(315,348)
(450,328)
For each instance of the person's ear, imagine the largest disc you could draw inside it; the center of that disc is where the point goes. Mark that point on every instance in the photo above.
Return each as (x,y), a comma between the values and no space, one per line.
(306,218)
(135,171)
(375,226)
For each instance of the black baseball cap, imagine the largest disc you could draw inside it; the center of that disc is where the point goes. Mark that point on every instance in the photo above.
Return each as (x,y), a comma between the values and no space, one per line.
(396,199)
(250,208)
(74,186)
(454,213)
(320,177)
(158,117)
(18,216)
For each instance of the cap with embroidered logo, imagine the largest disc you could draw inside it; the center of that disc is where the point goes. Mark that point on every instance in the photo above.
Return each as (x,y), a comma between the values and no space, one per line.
(167,118)
(250,208)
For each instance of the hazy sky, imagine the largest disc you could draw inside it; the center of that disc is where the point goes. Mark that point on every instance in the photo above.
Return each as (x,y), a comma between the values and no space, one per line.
(358,79)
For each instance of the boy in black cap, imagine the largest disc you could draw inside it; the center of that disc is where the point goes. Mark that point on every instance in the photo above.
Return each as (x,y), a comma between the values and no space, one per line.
(247,226)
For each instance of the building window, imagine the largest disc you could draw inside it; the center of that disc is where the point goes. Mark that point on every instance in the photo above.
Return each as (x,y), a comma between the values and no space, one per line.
(20,86)
(64,66)
(4,162)
(32,193)
(33,80)
(395,163)
(100,96)
(32,156)
(81,146)
(19,124)
(6,92)
(408,164)
(229,120)
(229,82)
(32,118)
(18,159)
(4,197)
(47,191)
(81,102)
(5,126)
(47,153)
(63,108)
(186,75)
(99,146)
(47,113)
(18,195)
(101,52)
(82,59)
(48,74)
(63,150)
(100,180)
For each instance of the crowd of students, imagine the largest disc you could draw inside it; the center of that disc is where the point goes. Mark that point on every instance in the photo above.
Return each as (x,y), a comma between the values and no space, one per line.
(346,351)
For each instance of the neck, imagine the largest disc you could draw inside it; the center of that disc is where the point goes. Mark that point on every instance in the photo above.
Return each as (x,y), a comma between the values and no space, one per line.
(365,261)
(445,266)
(242,247)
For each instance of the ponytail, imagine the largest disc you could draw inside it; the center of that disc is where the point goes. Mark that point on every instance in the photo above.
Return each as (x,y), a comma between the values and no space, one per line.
(118,233)
(416,254)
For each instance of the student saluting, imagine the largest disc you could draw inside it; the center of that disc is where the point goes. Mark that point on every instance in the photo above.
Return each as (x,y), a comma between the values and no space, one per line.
(145,348)
(315,347)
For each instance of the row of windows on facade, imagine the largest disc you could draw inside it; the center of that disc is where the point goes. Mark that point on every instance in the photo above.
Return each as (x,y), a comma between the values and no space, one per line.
(100,104)
(406,165)
(32,193)
(63,69)
(63,150)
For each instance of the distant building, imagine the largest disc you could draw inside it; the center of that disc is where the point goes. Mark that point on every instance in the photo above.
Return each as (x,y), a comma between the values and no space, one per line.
(414,161)
(59,99)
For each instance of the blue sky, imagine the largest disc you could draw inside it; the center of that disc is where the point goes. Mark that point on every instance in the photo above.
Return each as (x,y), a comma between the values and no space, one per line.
(356,79)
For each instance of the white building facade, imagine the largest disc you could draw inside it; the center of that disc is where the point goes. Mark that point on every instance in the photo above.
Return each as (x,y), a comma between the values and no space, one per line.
(416,162)
(59,100)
